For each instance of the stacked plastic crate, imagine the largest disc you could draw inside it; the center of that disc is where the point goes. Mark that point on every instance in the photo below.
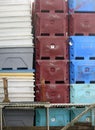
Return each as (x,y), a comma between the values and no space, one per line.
(82,53)
(52,67)
(16,58)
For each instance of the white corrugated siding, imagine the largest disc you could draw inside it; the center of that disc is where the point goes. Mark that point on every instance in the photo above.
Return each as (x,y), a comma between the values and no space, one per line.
(20,89)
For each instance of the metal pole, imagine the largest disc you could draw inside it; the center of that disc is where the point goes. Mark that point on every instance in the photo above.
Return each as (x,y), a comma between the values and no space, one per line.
(1,127)
(93,117)
(47,119)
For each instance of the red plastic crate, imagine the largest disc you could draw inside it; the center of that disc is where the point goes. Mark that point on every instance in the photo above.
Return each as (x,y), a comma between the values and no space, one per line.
(48,24)
(82,24)
(54,93)
(52,48)
(58,6)
(52,71)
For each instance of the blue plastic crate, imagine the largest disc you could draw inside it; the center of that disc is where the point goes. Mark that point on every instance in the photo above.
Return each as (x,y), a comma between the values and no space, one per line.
(82,71)
(81,6)
(82,47)
(57,117)
(82,93)
(85,118)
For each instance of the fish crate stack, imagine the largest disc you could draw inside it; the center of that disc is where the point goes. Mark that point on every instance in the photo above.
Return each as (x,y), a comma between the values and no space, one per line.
(82,53)
(16,51)
(51,46)
(50,20)
(16,61)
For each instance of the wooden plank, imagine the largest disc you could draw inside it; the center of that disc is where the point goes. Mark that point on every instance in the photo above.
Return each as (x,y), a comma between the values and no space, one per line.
(15,74)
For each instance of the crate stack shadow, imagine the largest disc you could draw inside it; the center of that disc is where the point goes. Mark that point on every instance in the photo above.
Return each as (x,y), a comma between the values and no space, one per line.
(16,60)
(52,59)
(82,54)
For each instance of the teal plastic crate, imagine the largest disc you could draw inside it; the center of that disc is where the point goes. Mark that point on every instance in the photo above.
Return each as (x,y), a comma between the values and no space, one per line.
(57,117)
(82,93)
(85,118)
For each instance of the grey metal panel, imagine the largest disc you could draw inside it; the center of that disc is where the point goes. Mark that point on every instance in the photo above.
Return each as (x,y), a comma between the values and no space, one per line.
(18,117)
